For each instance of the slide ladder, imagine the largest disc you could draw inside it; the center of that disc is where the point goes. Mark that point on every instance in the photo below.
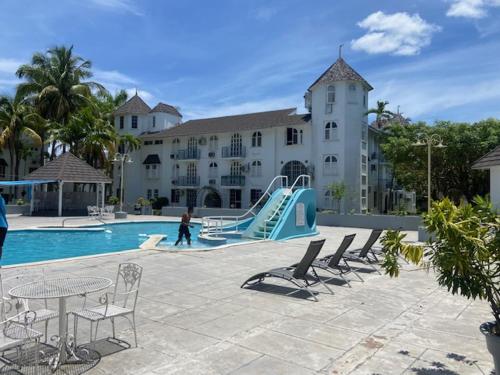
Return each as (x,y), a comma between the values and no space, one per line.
(218,225)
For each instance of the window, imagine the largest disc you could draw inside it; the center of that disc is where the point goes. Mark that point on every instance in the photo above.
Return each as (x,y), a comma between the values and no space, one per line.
(235,168)
(212,170)
(256,168)
(363,163)
(363,180)
(330,165)
(191,170)
(257,139)
(235,198)
(147,143)
(255,195)
(155,194)
(192,145)
(330,98)
(175,196)
(352,87)
(236,144)
(176,143)
(134,122)
(122,122)
(328,199)
(158,142)
(149,194)
(292,170)
(331,131)
(293,136)
(175,171)
(364,100)
(375,199)
(152,171)
(154,121)
(2,171)
(212,143)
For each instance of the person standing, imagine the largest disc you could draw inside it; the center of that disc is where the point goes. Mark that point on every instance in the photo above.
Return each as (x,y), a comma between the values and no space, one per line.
(3,224)
(184,227)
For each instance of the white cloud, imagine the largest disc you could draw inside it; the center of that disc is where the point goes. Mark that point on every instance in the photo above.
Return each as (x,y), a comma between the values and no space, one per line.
(265,13)
(119,5)
(397,34)
(114,77)
(9,66)
(471,8)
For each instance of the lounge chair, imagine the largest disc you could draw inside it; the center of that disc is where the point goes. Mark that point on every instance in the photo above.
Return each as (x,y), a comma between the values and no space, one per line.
(297,274)
(332,264)
(361,255)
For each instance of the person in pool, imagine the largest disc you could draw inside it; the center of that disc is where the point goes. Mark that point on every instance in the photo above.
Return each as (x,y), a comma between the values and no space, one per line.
(184,227)
(3,224)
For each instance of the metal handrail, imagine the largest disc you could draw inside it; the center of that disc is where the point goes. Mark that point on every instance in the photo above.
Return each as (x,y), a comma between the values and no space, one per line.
(206,222)
(302,177)
(82,218)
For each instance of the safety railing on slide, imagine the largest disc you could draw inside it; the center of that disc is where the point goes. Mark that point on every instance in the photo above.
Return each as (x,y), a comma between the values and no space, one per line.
(305,180)
(219,224)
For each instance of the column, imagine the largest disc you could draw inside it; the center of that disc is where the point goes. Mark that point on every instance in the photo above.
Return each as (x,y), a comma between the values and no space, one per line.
(103,192)
(59,208)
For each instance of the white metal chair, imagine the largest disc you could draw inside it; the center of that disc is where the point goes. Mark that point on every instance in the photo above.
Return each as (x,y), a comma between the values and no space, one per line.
(17,334)
(93,211)
(119,303)
(43,314)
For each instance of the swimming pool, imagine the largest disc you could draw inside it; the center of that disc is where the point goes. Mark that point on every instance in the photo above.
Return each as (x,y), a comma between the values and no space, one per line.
(26,246)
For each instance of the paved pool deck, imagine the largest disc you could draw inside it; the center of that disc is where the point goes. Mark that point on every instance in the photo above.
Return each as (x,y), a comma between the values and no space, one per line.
(193,318)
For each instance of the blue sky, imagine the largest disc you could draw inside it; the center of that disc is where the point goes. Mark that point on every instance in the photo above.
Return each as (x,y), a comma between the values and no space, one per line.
(436,59)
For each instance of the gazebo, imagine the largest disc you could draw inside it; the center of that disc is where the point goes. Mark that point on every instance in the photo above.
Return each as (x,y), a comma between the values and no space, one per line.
(491,161)
(67,168)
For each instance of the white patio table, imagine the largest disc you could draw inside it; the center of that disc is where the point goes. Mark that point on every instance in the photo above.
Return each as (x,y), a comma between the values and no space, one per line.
(61,289)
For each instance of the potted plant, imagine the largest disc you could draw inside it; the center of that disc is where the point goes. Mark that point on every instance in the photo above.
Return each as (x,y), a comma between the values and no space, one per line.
(337,192)
(464,253)
(144,206)
(20,202)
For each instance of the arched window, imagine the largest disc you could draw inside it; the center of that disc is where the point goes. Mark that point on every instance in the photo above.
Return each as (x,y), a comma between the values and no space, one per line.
(176,145)
(330,165)
(235,168)
(293,169)
(212,170)
(257,139)
(212,143)
(175,171)
(256,168)
(331,131)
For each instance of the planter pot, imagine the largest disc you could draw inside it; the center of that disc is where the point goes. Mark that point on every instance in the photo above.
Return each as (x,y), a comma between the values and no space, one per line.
(492,343)
(120,215)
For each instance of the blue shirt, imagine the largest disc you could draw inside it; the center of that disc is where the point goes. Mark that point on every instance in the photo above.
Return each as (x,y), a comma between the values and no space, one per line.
(3,214)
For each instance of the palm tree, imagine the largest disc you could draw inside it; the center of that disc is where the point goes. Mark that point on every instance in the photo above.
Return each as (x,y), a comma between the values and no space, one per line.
(55,83)
(382,114)
(129,143)
(18,122)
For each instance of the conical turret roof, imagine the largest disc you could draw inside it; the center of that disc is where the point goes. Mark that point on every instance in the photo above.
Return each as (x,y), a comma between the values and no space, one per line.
(340,71)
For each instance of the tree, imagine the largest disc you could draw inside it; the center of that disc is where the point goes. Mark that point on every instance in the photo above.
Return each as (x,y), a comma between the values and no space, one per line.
(382,114)
(337,192)
(55,85)
(452,173)
(18,122)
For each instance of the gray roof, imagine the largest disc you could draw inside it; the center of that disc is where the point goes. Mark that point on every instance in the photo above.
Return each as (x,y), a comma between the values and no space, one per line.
(340,71)
(250,121)
(135,106)
(67,167)
(152,159)
(491,159)
(167,108)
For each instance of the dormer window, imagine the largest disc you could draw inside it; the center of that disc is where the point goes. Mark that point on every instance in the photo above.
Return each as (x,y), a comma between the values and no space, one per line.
(134,122)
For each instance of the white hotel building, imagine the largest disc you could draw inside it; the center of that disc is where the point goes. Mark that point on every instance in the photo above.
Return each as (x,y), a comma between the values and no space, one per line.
(229,161)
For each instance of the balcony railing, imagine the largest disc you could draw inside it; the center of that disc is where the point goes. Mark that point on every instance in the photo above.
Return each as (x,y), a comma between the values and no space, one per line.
(232,180)
(233,152)
(186,181)
(187,154)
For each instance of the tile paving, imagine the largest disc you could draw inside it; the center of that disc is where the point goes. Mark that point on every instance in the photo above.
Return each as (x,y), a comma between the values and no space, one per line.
(193,318)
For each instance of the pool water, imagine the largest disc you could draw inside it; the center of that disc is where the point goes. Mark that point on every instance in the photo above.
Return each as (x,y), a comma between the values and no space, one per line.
(26,246)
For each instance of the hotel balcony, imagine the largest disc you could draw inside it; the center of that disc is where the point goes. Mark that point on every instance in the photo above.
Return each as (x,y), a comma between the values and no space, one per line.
(186,181)
(237,181)
(187,154)
(233,152)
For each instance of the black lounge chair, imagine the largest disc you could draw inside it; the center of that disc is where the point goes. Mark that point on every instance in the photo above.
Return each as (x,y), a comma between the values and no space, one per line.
(332,263)
(297,274)
(361,255)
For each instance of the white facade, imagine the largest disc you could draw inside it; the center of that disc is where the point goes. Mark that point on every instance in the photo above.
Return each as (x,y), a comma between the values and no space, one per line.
(495,186)
(331,145)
